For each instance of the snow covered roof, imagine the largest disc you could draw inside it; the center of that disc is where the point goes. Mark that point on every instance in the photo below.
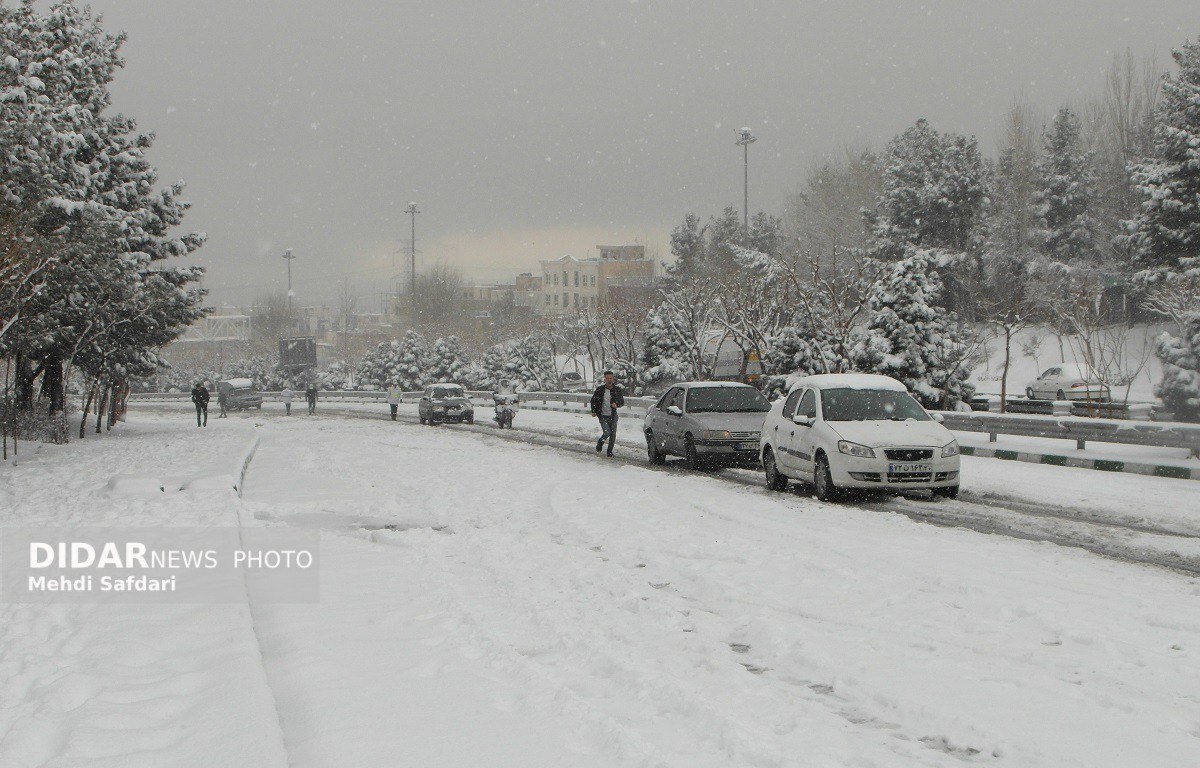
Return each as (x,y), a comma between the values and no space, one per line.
(847,381)
(239,383)
(703,384)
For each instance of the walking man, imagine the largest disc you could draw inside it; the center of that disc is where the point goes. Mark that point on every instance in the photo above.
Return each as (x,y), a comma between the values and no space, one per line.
(394,396)
(223,401)
(607,398)
(311,395)
(286,395)
(200,399)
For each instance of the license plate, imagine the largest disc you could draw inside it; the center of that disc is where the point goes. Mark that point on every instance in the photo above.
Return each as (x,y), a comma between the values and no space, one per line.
(909,468)
(747,446)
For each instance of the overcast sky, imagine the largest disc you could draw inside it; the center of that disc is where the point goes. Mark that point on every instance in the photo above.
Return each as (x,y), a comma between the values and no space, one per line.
(527,130)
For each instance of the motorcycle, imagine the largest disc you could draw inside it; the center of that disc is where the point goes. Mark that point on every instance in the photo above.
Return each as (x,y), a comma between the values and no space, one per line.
(506,408)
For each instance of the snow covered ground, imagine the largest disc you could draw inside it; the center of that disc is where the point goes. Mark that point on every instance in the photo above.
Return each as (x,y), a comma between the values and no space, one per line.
(490,602)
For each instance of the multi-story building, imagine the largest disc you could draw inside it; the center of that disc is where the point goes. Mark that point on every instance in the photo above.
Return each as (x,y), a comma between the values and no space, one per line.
(571,285)
(527,291)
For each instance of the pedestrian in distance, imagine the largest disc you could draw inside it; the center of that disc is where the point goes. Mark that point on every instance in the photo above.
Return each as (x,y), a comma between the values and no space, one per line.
(394,396)
(223,402)
(607,398)
(310,394)
(287,395)
(200,399)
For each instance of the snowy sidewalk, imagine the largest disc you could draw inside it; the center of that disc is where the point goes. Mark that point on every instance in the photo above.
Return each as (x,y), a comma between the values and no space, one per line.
(131,685)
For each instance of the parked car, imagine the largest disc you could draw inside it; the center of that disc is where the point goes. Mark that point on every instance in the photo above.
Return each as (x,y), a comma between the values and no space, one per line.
(1068,381)
(445,402)
(707,423)
(239,394)
(839,431)
(570,381)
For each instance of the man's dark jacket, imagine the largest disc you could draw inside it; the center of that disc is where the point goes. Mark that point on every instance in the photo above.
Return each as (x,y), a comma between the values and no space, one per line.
(618,398)
(199,395)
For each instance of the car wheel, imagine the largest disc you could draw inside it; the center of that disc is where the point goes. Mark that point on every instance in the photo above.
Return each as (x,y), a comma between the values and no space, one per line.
(471,419)
(823,481)
(1029,393)
(656,456)
(776,480)
(950,492)
(1061,395)
(690,456)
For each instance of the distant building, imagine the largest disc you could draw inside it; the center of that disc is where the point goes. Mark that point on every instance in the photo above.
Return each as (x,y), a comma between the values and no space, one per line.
(527,291)
(619,273)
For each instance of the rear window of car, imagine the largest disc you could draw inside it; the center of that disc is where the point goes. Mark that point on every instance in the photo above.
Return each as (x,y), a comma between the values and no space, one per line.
(870,405)
(726,400)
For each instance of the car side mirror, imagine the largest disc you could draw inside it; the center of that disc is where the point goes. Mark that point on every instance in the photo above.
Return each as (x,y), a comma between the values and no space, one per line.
(674,410)
(802,420)
(939,418)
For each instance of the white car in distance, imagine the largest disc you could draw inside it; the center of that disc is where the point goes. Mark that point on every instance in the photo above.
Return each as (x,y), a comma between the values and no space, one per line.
(1067,381)
(863,431)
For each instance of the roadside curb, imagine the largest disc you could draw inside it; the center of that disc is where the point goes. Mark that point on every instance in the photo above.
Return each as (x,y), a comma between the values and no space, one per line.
(244,464)
(1103,465)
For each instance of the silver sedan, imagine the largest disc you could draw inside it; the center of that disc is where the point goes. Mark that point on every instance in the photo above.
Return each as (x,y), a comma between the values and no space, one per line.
(707,423)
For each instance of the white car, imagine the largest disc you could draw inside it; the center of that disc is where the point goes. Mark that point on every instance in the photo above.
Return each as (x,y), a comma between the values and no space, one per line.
(1067,381)
(848,430)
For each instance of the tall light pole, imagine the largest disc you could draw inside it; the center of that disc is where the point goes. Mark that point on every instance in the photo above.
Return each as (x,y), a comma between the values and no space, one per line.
(288,255)
(745,139)
(412,211)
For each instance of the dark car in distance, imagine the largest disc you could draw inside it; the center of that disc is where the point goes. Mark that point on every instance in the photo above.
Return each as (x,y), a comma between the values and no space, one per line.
(445,403)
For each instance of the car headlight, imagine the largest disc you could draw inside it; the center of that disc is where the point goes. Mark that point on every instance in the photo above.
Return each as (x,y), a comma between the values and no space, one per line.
(950,449)
(854,449)
(716,434)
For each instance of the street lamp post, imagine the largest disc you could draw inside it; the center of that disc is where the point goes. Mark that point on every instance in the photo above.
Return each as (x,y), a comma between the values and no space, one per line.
(288,255)
(412,211)
(745,139)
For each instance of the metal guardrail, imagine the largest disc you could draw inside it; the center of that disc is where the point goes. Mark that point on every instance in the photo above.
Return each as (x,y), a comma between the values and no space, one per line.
(1081,430)
(1139,411)
(1061,426)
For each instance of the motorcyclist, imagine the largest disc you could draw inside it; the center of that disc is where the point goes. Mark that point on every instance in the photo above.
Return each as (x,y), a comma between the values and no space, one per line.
(506,401)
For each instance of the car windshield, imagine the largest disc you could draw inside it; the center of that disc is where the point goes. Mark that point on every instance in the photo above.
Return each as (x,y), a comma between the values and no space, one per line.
(726,400)
(870,405)
(445,393)
(572,377)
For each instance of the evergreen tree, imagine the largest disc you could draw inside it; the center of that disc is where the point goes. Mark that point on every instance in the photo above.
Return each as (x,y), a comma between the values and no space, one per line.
(449,361)
(1066,197)
(687,245)
(1180,355)
(664,357)
(527,364)
(75,181)
(908,338)
(406,363)
(725,235)
(1165,237)
(934,188)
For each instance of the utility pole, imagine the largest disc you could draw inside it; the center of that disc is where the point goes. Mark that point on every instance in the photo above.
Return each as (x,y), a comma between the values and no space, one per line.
(288,255)
(412,211)
(745,139)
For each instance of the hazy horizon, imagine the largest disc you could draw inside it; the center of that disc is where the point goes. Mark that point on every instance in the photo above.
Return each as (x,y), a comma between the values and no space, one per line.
(525,131)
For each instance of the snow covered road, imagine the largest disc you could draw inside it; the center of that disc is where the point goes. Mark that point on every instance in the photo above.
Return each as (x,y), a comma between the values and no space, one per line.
(488,601)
